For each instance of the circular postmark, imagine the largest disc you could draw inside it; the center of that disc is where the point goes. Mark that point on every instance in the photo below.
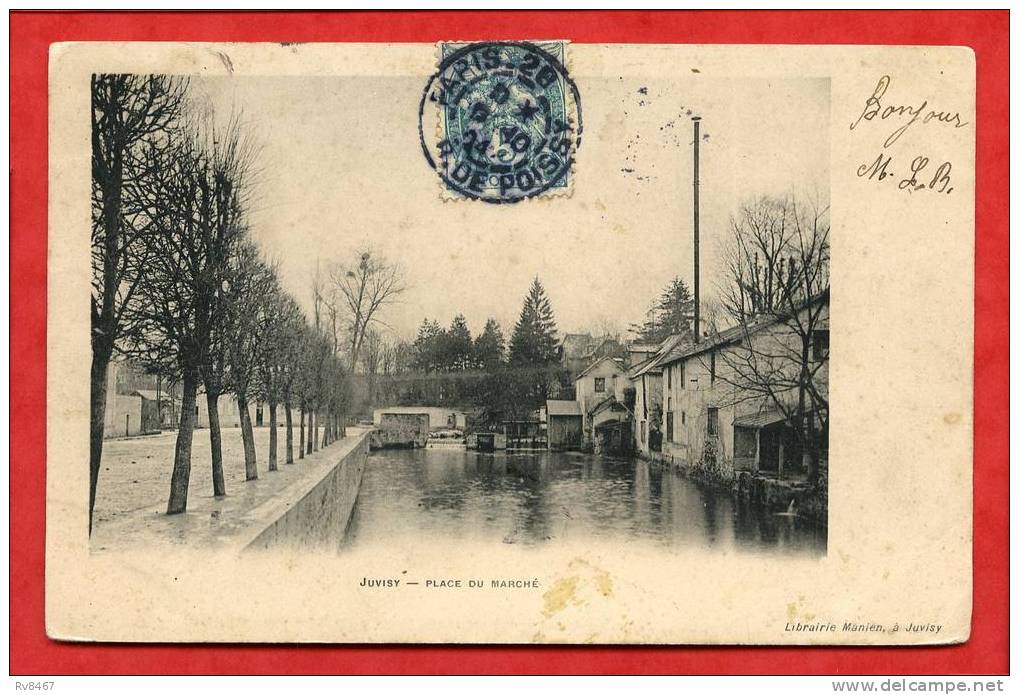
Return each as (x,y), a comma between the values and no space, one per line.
(507,120)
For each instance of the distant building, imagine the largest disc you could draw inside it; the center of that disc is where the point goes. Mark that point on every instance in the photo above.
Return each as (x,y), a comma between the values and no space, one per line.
(646,378)
(137,402)
(574,351)
(438,418)
(638,353)
(565,425)
(229,412)
(601,394)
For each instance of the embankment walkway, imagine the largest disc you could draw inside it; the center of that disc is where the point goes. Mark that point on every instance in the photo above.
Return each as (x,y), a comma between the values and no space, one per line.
(229,523)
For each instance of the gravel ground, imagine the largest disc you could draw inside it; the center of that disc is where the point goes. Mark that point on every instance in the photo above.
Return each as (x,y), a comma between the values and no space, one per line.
(136,471)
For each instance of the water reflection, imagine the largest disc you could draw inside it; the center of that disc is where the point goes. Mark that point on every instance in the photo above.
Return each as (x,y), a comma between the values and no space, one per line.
(446,494)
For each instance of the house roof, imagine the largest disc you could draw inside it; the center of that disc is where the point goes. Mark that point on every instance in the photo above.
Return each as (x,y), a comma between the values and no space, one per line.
(768,417)
(654,364)
(562,408)
(644,367)
(682,351)
(609,403)
(615,360)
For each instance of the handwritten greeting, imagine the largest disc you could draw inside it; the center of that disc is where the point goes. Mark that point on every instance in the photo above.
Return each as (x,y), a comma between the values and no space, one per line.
(922,174)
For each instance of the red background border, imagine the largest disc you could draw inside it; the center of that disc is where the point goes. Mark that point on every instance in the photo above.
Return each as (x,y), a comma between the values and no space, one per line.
(31,33)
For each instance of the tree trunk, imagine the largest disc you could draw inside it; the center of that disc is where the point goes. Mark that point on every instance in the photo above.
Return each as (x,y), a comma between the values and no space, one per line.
(805,425)
(250,462)
(810,453)
(290,431)
(301,447)
(215,442)
(182,454)
(311,431)
(97,423)
(272,436)
(314,430)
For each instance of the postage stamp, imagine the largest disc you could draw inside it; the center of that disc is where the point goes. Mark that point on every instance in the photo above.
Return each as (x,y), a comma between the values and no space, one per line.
(507,120)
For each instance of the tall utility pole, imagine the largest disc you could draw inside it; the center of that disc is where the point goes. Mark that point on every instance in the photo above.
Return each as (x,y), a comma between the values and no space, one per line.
(696,229)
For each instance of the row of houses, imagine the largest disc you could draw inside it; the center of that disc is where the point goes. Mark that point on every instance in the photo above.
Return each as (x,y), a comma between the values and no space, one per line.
(732,401)
(138,403)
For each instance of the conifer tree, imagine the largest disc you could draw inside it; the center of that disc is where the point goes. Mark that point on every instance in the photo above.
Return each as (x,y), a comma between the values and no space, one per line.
(490,346)
(670,314)
(426,346)
(458,353)
(535,339)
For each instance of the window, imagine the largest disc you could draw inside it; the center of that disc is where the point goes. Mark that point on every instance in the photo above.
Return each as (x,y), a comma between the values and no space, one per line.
(196,409)
(712,368)
(669,434)
(682,375)
(820,344)
(712,421)
(670,403)
(643,431)
(599,384)
(668,376)
(682,417)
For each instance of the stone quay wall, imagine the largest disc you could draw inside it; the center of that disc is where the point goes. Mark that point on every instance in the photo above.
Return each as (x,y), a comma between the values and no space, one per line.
(316,514)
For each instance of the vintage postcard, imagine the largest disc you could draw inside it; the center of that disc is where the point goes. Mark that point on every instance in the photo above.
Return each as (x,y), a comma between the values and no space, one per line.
(519,341)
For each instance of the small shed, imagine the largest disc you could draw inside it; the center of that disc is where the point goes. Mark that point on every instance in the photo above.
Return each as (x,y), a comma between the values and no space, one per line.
(765,442)
(565,425)
(153,405)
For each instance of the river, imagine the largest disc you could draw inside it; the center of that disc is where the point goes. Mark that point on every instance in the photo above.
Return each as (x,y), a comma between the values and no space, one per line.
(544,497)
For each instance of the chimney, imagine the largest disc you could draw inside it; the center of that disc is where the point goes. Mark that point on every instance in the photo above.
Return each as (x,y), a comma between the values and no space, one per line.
(696,229)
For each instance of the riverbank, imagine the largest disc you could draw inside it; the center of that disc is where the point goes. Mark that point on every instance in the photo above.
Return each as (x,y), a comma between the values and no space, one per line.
(776,495)
(131,504)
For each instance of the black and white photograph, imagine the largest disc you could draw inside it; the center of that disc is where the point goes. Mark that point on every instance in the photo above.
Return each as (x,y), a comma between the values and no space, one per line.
(659,378)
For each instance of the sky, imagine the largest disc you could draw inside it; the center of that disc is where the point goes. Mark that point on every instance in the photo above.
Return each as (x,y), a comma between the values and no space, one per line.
(341,168)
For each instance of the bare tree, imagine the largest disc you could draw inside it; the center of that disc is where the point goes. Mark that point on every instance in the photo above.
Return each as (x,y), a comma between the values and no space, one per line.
(214,380)
(777,257)
(196,208)
(363,290)
(289,365)
(251,288)
(372,352)
(273,358)
(129,114)
(397,357)
(778,294)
